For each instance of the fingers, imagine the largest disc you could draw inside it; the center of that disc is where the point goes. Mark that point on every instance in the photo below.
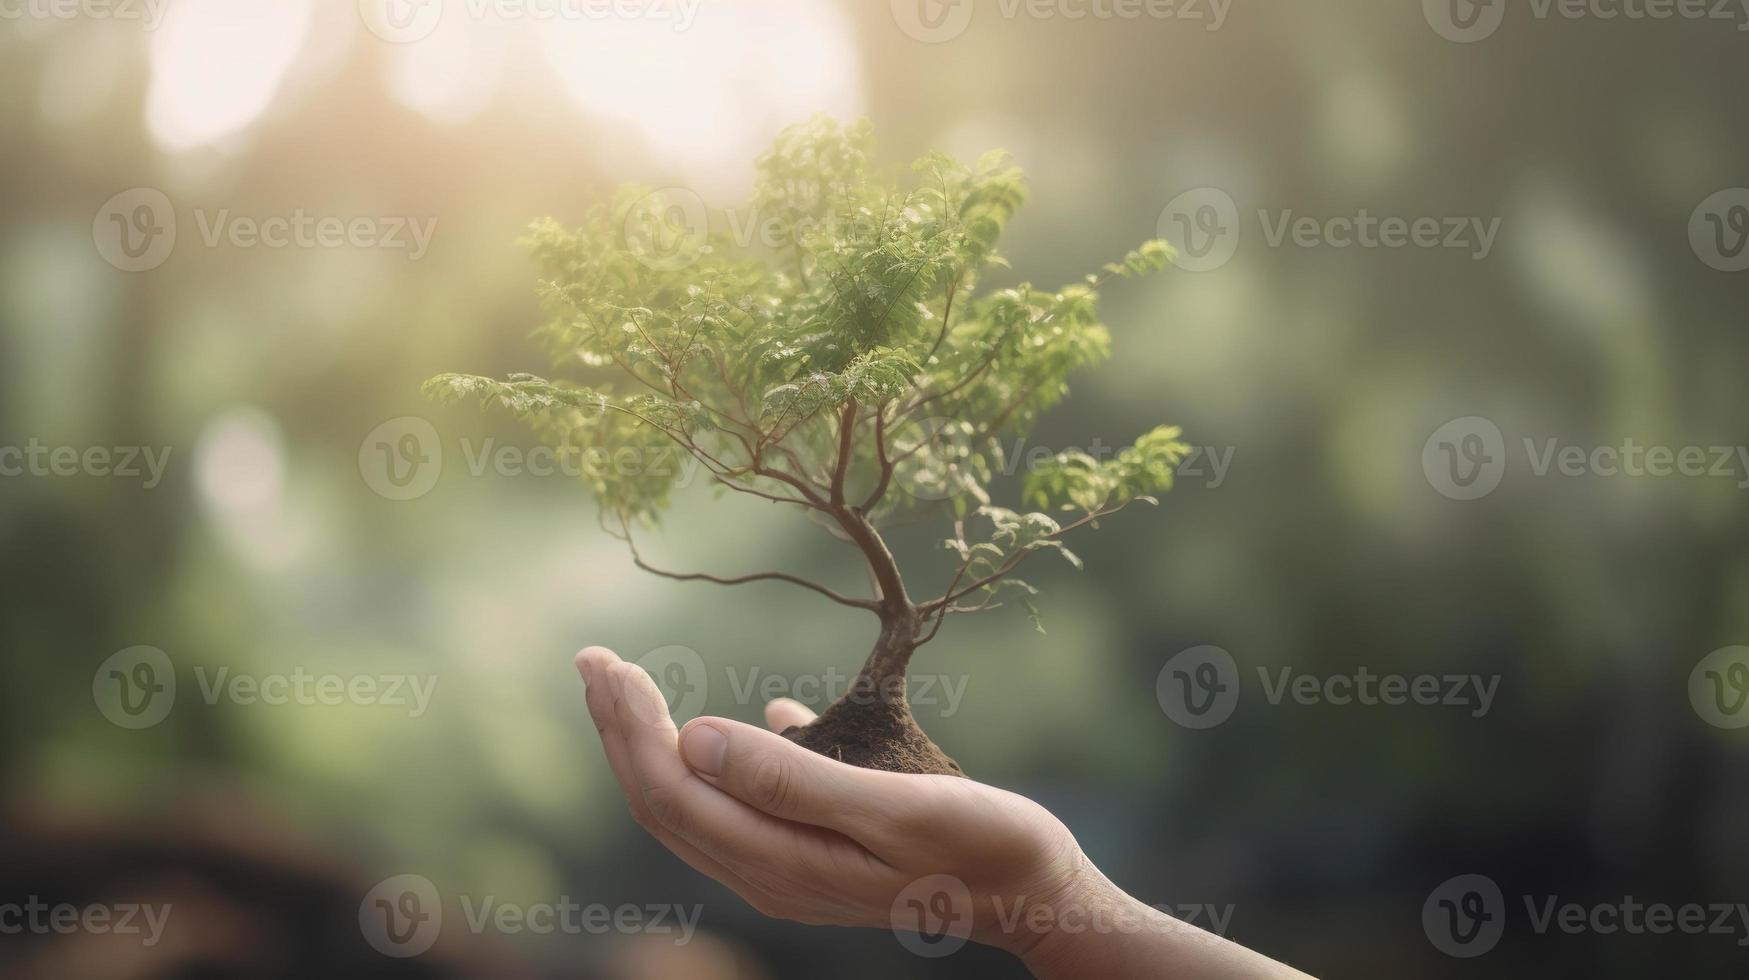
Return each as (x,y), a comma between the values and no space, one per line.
(776,776)
(781,713)
(676,799)
(782,869)
(593,664)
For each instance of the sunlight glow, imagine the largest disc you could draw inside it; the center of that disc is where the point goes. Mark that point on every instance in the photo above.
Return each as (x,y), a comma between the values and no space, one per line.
(240,467)
(216,65)
(708,98)
(84,75)
(451,75)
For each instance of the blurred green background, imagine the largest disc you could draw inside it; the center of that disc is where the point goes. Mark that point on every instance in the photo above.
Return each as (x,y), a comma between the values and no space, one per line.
(1327,547)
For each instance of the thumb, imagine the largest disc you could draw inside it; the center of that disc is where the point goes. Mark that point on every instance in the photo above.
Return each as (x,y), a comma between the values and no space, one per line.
(775,775)
(781,713)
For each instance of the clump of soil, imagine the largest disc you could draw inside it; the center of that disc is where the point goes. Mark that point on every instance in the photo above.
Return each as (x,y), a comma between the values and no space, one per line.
(871,725)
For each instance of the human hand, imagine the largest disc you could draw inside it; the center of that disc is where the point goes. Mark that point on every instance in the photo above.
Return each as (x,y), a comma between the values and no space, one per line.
(804,837)
(800,836)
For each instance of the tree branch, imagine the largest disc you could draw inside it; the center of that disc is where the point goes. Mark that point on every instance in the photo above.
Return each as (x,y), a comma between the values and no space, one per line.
(880,558)
(991,356)
(775,497)
(838,597)
(951,596)
(856,524)
(887,465)
(846,432)
(946,316)
(801,468)
(801,486)
(989,359)
(959,534)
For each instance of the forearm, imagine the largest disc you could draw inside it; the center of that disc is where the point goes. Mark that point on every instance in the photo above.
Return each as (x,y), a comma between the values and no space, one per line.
(1099,931)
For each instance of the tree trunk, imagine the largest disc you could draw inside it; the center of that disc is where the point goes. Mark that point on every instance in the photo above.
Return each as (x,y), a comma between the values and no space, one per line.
(871,725)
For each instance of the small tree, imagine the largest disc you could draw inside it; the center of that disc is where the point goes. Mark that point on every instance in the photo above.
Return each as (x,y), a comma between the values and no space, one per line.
(849,372)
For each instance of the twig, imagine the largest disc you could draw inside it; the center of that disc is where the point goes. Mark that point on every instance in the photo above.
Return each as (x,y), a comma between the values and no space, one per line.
(838,597)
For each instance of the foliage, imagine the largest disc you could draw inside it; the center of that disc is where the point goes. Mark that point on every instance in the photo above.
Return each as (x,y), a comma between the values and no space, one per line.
(843,365)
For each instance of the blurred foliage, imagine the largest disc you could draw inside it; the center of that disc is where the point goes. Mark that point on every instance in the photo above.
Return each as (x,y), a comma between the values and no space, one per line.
(1317,372)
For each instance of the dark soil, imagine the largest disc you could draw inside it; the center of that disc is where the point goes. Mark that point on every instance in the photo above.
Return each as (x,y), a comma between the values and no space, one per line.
(871,726)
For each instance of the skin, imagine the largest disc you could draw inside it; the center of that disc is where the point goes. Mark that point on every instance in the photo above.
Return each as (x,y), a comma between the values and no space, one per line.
(807,838)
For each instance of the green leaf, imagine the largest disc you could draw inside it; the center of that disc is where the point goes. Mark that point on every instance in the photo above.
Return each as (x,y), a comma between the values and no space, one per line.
(665,335)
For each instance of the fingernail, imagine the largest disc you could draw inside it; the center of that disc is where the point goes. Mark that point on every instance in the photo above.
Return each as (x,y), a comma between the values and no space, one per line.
(705,747)
(585,670)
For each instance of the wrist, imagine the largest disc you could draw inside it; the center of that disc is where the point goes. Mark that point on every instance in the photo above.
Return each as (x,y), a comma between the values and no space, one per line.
(1050,926)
